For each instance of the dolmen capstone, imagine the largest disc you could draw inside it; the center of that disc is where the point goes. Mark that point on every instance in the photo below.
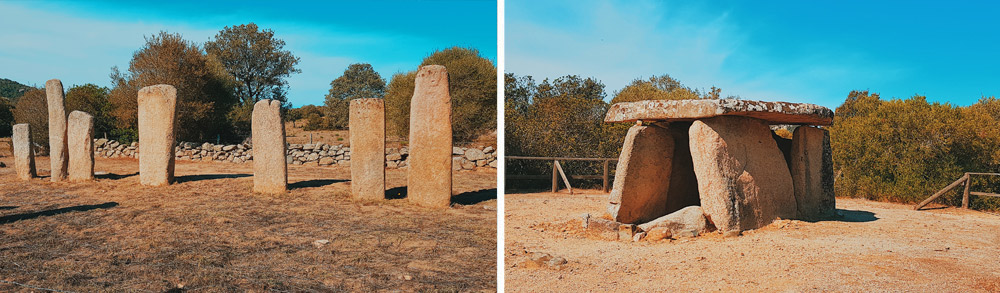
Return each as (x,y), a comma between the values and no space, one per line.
(81,146)
(58,152)
(24,154)
(726,149)
(367,125)
(270,171)
(157,115)
(429,177)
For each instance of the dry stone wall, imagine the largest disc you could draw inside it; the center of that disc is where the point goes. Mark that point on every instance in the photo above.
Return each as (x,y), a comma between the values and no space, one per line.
(320,154)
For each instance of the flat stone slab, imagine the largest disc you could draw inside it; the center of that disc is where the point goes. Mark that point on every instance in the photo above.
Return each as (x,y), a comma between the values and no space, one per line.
(689,110)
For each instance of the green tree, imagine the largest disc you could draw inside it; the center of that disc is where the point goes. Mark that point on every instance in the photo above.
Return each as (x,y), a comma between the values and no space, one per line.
(359,81)
(12,89)
(204,95)
(92,99)
(661,87)
(6,117)
(32,108)
(471,84)
(256,60)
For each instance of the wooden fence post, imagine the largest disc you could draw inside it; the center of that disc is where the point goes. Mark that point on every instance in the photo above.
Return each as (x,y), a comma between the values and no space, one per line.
(555,177)
(942,191)
(606,175)
(965,195)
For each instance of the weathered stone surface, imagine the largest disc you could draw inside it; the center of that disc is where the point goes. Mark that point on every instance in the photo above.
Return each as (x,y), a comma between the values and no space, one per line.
(157,116)
(688,110)
(658,233)
(367,124)
(473,154)
(58,153)
(81,146)
(270,169)
(639,193)
(743,180)
(686,222)
(811,165)
(429,182)
(24,154)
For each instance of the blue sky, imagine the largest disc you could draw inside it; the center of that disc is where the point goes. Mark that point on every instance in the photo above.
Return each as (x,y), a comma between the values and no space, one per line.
(79,41)
(798,51)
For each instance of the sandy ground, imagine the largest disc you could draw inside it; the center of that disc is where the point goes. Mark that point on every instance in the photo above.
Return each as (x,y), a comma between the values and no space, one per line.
(874,247)
(209,233)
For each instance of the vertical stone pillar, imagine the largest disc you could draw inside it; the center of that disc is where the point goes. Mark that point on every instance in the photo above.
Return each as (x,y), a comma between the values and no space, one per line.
(811,165)
(642,179)
(367,125)
(157,116)
(429,177)
(270,171)
(81,146)
(24,154)
(743,180)
(58,154)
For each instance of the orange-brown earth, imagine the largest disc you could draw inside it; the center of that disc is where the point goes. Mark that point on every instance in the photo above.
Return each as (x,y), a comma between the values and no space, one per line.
(208,232)
(875,247)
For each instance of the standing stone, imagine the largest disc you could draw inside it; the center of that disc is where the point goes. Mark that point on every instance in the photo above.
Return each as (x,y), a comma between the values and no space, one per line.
(811,165)
(24,155)
(157,115)
(58,154)
(743,180)
(270,167)
(81,146)
(639,193)
(367,124)
(429,182)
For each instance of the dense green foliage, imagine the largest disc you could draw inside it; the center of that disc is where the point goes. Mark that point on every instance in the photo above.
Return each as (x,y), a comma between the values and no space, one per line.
(359,81)
(471,84)
(661,87)
(92,99)
(905,150)
(204,92)
(256,60)
(6,116)
(32,108)
(12,90)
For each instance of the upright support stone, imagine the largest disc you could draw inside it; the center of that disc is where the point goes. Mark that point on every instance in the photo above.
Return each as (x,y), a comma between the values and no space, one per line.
(24,154)
(157,115)
(429,182)
(642,179)
(811,165)
(58,153)
(367,125)
(743,180)
(270,171)
(81,146)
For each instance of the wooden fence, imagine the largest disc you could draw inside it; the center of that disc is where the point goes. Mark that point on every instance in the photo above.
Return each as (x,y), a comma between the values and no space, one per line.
(967,179)
(557,171)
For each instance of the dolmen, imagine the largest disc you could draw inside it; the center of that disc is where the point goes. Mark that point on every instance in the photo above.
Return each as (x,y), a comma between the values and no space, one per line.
(721,155)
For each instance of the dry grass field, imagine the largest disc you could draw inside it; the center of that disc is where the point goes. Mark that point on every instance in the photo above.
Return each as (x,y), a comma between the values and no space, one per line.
(209,233)
(880,247)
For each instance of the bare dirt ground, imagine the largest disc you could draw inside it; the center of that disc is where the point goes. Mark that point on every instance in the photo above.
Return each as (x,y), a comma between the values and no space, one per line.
(209,233)
(874,247)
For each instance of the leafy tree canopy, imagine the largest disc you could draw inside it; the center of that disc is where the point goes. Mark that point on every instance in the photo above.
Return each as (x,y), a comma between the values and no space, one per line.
(256,59)
(359,81)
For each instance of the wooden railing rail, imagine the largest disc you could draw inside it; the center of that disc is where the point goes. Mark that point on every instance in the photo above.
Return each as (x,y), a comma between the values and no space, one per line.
(557,171)
(967,179)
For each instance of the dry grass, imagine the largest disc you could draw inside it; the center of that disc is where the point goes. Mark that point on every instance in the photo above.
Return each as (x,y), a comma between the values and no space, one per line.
(209,233)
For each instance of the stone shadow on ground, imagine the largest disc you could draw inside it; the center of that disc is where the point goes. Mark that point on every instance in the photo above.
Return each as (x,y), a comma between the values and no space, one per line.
(53,212)
(7,207)
(314,183)
(850,216)
(396,193)
(189,178)
(114,176)
(474,197)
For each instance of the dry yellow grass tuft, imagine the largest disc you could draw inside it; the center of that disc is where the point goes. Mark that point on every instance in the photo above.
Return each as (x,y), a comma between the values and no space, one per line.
(209,232)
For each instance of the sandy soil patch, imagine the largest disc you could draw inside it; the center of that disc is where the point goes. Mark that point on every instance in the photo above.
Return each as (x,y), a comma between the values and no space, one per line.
(875,247)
